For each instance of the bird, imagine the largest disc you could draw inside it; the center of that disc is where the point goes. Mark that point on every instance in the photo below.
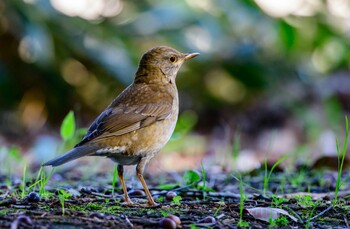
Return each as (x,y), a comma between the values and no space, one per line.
(139,121)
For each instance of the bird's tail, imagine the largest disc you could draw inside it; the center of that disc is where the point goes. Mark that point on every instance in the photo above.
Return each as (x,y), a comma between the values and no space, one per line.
(71,155)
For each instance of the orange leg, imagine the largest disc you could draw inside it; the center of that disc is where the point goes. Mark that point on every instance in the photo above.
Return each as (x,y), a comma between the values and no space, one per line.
(121,177)
(139,171)
(148,194)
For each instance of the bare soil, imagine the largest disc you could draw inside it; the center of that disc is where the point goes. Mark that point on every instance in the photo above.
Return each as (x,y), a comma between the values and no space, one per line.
(307,196)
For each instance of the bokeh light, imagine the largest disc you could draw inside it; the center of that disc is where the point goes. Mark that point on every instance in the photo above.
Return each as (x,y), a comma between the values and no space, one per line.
(88,9)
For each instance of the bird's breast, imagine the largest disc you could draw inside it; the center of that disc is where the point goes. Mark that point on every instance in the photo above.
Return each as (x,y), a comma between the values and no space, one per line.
(145,142)
(151,139)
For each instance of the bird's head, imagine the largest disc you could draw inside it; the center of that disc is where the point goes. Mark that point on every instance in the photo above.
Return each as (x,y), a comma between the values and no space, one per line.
(165,59)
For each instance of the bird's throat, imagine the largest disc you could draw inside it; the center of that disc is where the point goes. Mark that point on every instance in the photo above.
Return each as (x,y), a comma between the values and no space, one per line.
(150,74)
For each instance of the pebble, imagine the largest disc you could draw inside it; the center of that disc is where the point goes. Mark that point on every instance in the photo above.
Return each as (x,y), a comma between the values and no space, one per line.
(33,197)
(175,218)
(209,219)
(97,215)
(24,219)
(170,195)
(167,223)
(137,192)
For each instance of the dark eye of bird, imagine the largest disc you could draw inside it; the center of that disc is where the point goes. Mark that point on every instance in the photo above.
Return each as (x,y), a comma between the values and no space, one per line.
(173,59)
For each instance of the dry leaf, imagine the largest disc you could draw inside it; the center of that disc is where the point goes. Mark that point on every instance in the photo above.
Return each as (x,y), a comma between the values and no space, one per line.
(265,214)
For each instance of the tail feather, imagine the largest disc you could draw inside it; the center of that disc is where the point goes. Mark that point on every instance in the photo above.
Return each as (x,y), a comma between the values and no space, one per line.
(71,155)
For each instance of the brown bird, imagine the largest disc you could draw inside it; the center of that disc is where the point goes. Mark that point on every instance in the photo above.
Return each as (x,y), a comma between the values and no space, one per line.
(140,121)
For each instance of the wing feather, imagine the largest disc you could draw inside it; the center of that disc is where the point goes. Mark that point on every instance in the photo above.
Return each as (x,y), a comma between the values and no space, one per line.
(124,116)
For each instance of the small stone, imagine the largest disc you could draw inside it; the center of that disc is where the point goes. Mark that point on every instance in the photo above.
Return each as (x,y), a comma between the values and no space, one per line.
(33,197)
(136,193)
(175,218)
(110,217)
(85,190)
(74,192)
(97,215)
(228,221)
(167,223)
(16,182)
(24,219)
(88,190)
(209,219)
(56,177)
(4,186)
(170,195)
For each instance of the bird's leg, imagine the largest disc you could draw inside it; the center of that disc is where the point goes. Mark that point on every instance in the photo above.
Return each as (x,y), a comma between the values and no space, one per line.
(139,171)
(121,177)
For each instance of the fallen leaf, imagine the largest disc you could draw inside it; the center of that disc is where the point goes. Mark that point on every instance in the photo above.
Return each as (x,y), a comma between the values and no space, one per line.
(266,213)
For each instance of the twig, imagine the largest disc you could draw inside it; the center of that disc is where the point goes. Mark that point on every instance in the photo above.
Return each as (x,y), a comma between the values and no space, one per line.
(128,221)
(316,195)
(229,207)
(220,216)
(346,222)
(104,195)
(157,194)
(295,214)
(21,206)
(3,196)
(144,221)
(205,224)
(218,194)
(321,213)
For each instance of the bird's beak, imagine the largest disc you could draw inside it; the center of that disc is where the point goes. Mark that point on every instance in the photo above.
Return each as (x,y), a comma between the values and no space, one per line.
(190,55)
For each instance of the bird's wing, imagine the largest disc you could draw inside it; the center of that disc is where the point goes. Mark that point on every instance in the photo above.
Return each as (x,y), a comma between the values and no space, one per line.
(121,117)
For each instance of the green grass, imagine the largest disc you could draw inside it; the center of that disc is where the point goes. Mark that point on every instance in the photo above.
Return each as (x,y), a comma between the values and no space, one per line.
(311,213)
(242,198)
(176,200)
(281,221)
(10,159)
(192,176)
(94,206)
(267,177)
(296,179)
(282,184)
(114,180)
(23,194)
(40,182)
(305,201)
(309,205)
(341,157)
(103,208)
(160,199)
(277,201)
(236,147)
(242,223)
(219,208)
(63,196)
(204,181)
(193,226)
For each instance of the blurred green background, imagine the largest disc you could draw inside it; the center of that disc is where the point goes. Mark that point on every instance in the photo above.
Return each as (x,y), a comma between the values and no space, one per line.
(268,69)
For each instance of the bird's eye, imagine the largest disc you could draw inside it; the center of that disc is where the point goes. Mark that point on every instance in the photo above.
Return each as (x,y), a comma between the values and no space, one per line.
(172,59)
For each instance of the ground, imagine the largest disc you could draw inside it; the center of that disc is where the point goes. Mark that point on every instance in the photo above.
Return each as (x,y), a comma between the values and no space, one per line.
(225,200)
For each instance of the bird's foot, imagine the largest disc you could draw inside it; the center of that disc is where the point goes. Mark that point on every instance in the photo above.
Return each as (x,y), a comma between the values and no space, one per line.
(127,201)
(146,205)
(130,203)
(150,205)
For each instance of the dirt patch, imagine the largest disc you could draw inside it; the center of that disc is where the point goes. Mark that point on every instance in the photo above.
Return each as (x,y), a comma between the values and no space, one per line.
(306,199)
